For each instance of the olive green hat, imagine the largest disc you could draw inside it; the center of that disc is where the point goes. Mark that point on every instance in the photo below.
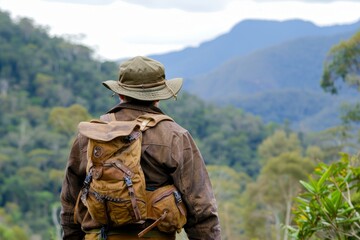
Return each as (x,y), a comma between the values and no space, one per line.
(143,78)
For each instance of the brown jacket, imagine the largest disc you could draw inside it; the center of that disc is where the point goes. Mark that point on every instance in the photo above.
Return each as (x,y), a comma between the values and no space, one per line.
(169,156)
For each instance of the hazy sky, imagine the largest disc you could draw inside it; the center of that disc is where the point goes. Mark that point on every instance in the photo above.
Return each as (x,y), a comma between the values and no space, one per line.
(125,28)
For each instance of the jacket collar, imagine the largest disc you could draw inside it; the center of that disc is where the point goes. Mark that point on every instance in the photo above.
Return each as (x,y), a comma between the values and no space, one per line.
(139,107)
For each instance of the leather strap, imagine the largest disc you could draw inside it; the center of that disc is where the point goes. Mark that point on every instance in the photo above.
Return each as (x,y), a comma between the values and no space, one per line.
(154,224)
(108,117)
(149,120)
(129,185)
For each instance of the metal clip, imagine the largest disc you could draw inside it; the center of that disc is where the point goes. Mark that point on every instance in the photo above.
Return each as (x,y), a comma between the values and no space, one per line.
(87,180)
(177,197)
(128,181)
(103,232)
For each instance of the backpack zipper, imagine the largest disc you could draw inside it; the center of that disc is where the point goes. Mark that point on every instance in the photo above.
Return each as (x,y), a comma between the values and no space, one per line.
(163,195)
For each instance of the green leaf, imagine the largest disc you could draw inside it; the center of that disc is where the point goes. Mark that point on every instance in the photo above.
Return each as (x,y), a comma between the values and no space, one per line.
(324,177)
(309,187)
(329,206)
(349,220)
(336,199)
(344,158)
(347,210)
(302,201)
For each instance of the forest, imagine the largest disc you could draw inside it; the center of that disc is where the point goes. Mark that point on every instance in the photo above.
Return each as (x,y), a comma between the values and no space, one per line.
(263,174)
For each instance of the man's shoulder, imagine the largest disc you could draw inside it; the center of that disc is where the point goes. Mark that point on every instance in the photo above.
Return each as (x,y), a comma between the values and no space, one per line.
(173,126)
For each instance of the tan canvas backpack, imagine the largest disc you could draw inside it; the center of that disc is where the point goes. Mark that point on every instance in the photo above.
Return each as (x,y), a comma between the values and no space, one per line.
(114,190)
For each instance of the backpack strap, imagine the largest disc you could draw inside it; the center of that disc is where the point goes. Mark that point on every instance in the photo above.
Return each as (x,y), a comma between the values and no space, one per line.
(108,117)
(149,120)
(146,120)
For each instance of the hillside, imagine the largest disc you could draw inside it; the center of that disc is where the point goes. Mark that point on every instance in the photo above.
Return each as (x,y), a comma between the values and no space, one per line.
(47,86)
(295,64)
(294,68)
(39,73)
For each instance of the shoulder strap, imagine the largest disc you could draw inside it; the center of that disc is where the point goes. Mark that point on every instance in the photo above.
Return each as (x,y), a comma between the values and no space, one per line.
(108,117)
(150,120)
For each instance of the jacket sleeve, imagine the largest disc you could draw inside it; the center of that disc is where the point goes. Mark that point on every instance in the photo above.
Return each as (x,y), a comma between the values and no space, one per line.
(72,184)
(192,179)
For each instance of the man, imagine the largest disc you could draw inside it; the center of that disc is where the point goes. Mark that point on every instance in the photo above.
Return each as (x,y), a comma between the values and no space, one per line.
(169,156)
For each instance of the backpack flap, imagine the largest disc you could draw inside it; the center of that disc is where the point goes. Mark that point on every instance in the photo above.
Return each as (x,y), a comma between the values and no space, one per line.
(106,131)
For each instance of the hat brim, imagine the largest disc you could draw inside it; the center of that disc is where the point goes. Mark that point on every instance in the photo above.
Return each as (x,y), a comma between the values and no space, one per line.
(166,91)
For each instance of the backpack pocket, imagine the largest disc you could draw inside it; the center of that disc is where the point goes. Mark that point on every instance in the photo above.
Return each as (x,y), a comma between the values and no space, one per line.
(166,204)
(111,203)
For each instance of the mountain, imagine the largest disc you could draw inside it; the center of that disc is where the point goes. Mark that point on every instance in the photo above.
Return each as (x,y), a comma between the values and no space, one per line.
(295,64)
(245,37)
(269,68)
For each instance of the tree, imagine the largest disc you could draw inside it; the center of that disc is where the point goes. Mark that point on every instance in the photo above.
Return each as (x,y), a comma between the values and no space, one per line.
(8,230)
(342,67)
(228,186)
(343,63)
(65,120)
(278,143)
(270,198)
(274,190)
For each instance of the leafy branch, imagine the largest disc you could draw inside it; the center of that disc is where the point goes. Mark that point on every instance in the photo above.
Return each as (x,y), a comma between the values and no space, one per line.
(328,206)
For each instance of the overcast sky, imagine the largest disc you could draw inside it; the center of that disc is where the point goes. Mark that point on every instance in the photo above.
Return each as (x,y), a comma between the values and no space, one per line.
(125,28)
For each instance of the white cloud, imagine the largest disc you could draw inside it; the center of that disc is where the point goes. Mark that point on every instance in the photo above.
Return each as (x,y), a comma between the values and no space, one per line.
(119,28)
(188,5)
(308,1)
(87,2)
(185,5)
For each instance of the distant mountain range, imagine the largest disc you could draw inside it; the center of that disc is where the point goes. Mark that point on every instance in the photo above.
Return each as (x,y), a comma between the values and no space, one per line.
(277,64)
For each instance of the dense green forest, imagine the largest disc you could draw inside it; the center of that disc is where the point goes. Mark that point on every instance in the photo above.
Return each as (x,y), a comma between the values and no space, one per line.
(49,84)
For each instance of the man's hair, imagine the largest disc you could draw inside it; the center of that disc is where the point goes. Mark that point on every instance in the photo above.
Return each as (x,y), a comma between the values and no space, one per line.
(137,101)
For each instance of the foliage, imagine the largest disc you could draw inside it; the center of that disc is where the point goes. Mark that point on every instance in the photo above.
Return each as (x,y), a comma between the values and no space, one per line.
(278,143)
(229,186)
(270,198)
(65,120)
(8,216)
(342,69)
(343,63)
(329,206)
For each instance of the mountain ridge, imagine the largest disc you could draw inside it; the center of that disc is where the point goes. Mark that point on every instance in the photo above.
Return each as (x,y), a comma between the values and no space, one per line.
(286,56)
(302,58)
(243,38)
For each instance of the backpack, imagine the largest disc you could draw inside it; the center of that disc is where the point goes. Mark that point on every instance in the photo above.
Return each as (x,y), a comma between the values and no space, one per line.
(114,190)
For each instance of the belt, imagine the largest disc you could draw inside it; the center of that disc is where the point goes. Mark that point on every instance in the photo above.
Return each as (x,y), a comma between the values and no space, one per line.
(131,231)
(136,226)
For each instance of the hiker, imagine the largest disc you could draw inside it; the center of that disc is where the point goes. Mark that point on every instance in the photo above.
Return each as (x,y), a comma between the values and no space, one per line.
(169,157)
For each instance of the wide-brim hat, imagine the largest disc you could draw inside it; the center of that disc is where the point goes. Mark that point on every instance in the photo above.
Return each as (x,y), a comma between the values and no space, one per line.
(143,78)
